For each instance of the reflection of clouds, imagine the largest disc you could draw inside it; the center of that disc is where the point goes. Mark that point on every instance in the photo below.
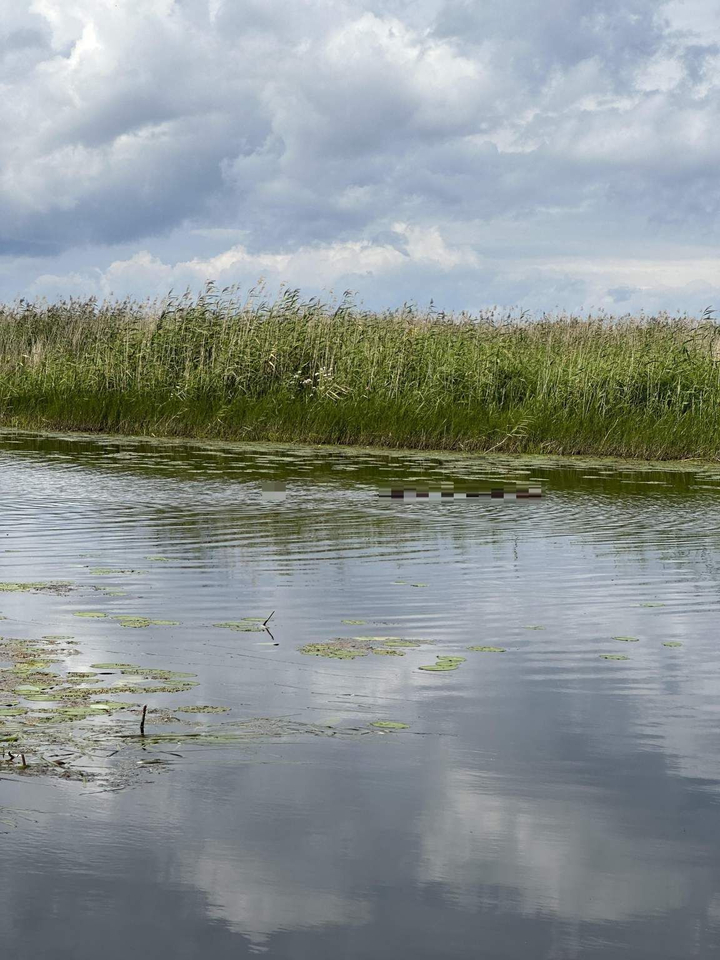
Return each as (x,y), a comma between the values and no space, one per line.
(559,854)
(259,898)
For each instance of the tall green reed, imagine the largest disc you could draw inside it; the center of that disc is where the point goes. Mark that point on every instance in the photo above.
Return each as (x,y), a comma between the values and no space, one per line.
(292,369)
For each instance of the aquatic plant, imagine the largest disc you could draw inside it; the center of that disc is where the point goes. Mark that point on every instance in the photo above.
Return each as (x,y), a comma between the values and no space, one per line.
(214,365)
(348,648)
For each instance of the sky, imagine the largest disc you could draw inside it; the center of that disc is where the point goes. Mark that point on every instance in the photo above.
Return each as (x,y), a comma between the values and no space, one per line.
(474,153)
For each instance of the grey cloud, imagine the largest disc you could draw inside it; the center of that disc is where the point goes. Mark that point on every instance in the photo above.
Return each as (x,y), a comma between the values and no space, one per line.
(326,122)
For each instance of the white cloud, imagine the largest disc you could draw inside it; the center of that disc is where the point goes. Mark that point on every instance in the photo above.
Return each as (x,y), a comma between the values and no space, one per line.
(133,130)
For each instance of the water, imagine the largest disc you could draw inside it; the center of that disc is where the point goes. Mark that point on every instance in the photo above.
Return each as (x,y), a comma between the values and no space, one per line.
(543,802)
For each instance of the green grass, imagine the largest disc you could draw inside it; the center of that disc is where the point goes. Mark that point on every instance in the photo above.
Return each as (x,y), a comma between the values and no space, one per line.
(212,366)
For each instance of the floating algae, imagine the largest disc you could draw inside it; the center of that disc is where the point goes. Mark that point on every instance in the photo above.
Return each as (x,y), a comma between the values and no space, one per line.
(153,673)
(159,559)
(613,656)
(249,625)
(390,725)
(672,643)
(202,709)
(58,636)
(336,649)
(108,571)
(57,586)
(114,666)
(627,639)
(488,649)
(348,648)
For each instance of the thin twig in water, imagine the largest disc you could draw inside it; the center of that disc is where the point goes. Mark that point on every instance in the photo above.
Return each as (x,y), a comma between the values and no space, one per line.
(269,618)
(142,721)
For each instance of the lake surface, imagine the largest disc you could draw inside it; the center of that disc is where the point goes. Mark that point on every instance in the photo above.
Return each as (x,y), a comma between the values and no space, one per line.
(542,802)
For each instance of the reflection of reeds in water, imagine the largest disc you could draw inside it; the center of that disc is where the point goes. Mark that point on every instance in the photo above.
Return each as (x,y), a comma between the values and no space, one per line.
(307,371)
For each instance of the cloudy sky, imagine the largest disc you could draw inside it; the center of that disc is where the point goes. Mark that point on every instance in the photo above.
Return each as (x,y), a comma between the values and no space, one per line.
(477,152)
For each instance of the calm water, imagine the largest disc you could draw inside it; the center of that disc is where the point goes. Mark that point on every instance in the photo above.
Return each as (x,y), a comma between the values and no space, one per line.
(543,803)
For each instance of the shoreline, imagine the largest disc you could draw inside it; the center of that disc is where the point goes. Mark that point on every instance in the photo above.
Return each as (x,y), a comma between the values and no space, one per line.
(443,454)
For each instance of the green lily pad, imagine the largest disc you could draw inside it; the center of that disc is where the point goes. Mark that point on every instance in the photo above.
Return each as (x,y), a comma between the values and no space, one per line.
(115,666)
(201,709)
(12,711)
(152,673)
(533,627)
(159,559)
(390,725)
(89,614)
(333,650)
(488,649)
(439,667)
(356,622)
(614,656)
(53,587)
(380,652)
(241,626)
(672,643)
(58,636)
(627,639)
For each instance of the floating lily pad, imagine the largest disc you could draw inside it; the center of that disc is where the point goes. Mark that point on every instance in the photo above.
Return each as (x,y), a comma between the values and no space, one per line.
(652,604)
(12,711)
(202,709)
(438,667)
(241,626)
(627,639)
(60,586)
(613,656)
(334,649)
(126,620)
(488,649)
(152,673)
(108,571)
(389,653)
(390,725)
(356,622)
(31,666)
(58,636)
(672,643)
(114,666)
(159,559)
(418,584)
(89,613)
(533,626)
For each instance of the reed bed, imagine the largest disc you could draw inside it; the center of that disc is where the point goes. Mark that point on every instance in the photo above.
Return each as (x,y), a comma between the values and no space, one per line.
(292,370)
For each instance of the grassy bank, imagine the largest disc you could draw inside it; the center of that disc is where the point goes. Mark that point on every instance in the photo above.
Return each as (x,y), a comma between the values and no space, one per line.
(305,371)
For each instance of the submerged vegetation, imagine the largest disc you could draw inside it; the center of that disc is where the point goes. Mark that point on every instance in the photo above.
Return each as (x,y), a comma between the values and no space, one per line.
(215,366)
